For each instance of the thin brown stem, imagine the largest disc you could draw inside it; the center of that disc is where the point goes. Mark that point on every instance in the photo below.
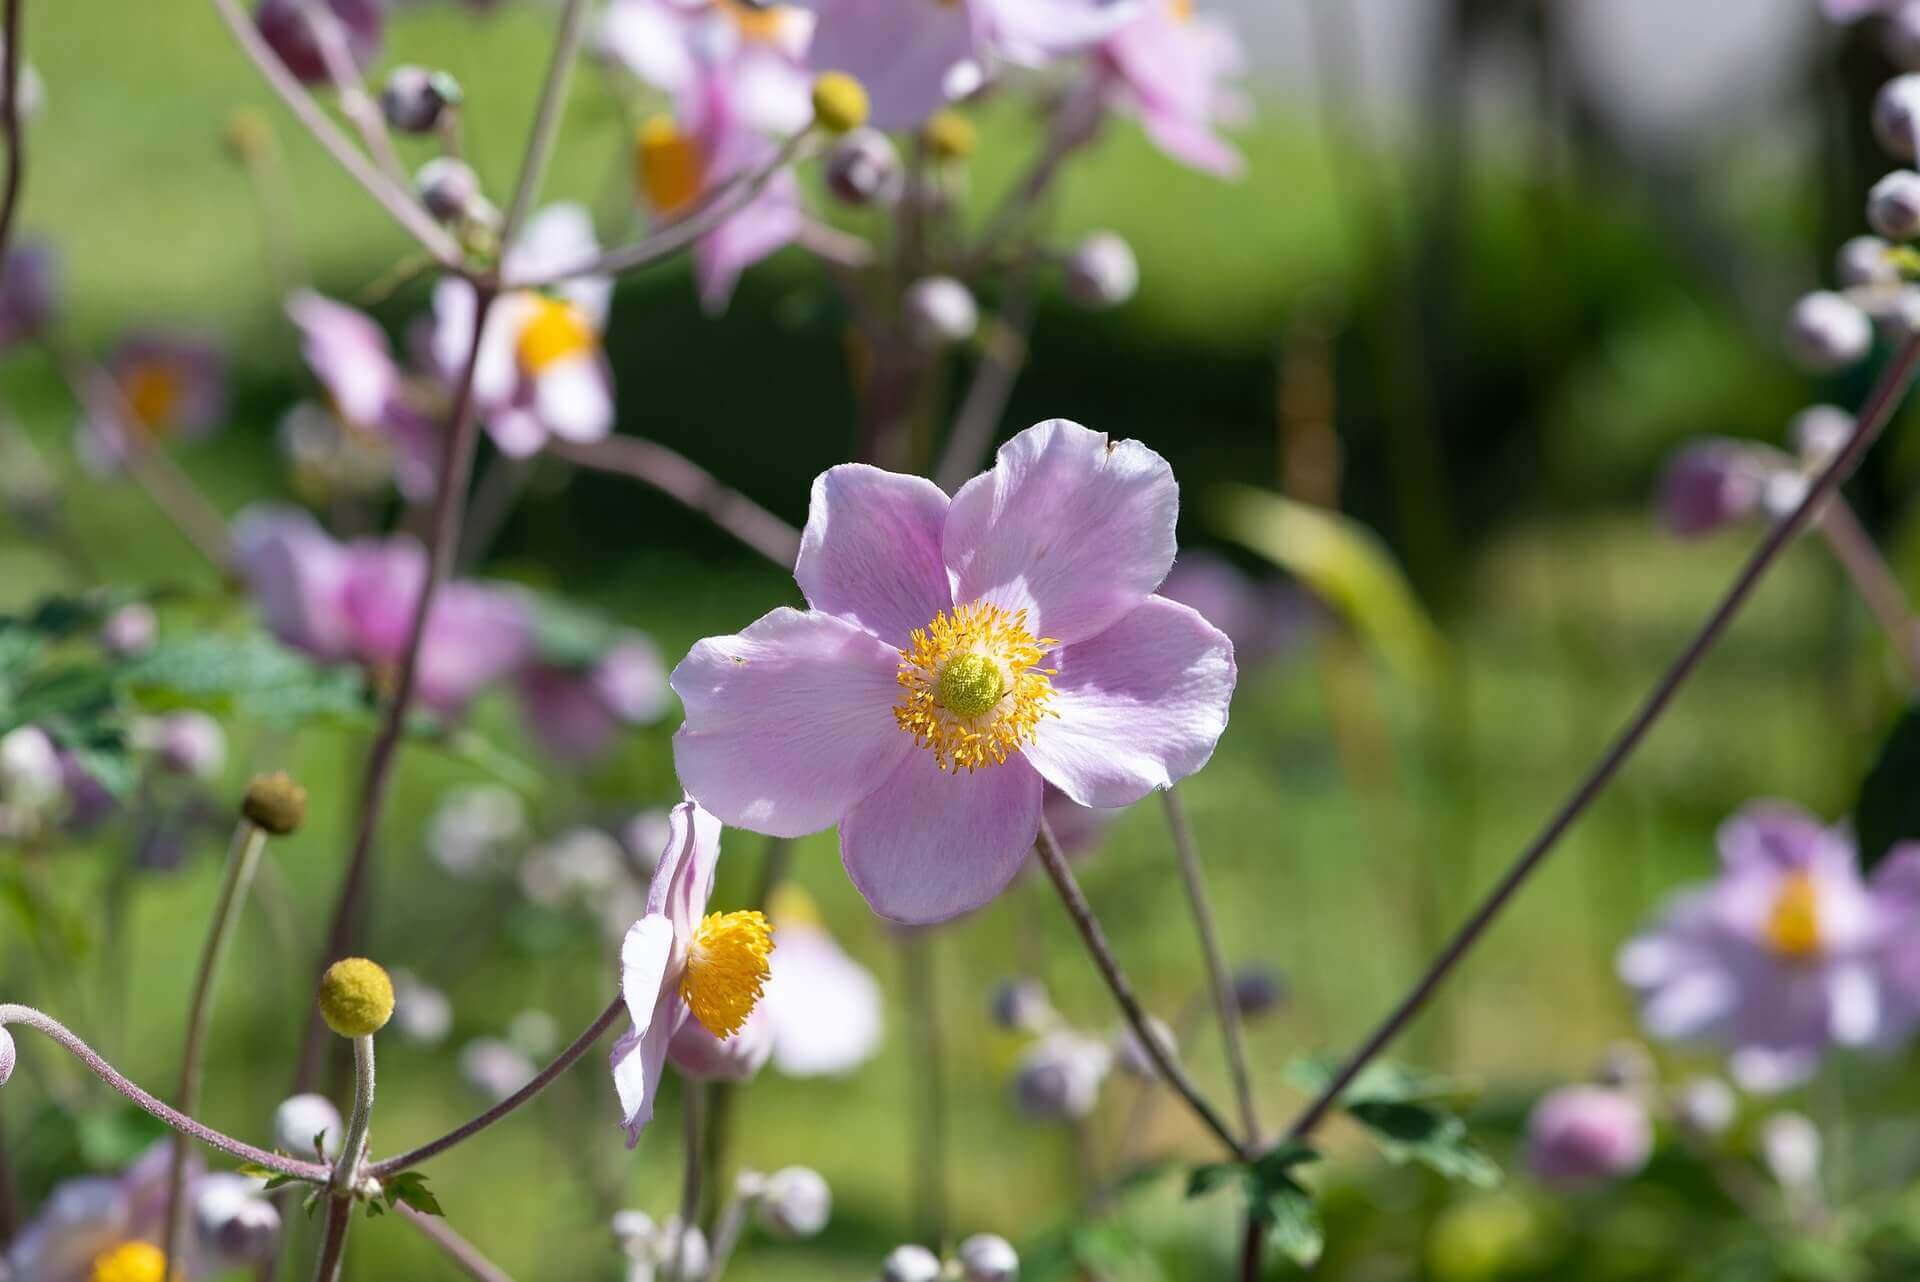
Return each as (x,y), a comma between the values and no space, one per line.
(1251,1243)
(680,478)
(333,1246)
(330,38)
(546,120)
(465,1255)
(10,126)
(930,1162)
(1220,981)
(1872,421)
(1874,580)
(1109,967)
(692,1105)
(545,1078)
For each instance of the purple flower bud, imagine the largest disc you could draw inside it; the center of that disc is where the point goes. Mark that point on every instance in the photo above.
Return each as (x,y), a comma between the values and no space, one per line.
(1059,1077)
(9,1055)
(1819,432)
(1580,1136)
(1022,1006)
(1709,484)
(1258,989)
(864,169)
(987,1258)
(414,100)
(190,744)
(27,288)
(1900,37)
(795,1203)
(1893,205)
(288,32)
(1896,115)
(236,1225)
(910,1263)
(1826,332)
(1102,271)
(939,311)
(448,188)
(1866,260)
(130,630)
(494,1068)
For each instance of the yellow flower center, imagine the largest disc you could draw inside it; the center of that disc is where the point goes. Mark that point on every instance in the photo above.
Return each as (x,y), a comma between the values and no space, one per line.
(757,22)
(130,1262)
(1181,9)
(154,390)
(973,692)
(727,966)
(668,165)
(556,331)
(1793,927)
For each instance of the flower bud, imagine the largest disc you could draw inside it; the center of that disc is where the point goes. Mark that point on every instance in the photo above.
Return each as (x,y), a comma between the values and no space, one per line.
(1707,1106)
(299,1120)
(28,293)
(356,997)
(1790,1143)
(910,1263)
(276,803)
(415,100)
(284,25)
(477,827)
(1893,205)
(987,1258)
(421,1012)
(130,630)
(1866,260)
(1826,332)
(191,744)
(1257,990)
(1896,115)
(1132,1056)
(30,773)
(795,1203)
(1059,1077)
(1900,37)
(1708,485)
(1819,432)
(839,102)
(950,135)
(495,1068)
(9,1055)
(235,1224)
(1021,1006)
(864,169)
(448,188)
(1102,271)
(1580,1136)
(939,311)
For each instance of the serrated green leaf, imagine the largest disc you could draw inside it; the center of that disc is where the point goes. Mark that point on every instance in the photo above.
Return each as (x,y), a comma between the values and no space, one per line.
(251,675)
(1428,1135)
(1205,1179)
(1888,811)
(410,1188)
(1293,1223)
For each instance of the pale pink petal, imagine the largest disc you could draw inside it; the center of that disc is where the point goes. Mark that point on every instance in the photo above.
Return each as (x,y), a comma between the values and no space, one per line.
(297,575)
(826,1009)
(650,985)
(902,53)
(930,844)
(788,723)
(574,400)
(381,590)
(704,1057)
(871,551)
(1140,706)
(475,636)
(1070,526)
(683,878)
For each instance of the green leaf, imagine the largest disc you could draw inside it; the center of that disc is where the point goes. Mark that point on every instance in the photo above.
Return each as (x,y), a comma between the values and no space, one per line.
(1205,1179)
(1346,564)
(567,636)
(1293,1223)
(410,1189)
(1888,811)
(1428,1135)
(251,675)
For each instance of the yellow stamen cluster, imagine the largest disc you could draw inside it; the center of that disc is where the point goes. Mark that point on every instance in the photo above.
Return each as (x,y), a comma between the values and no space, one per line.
(668,166)
(1793,927)
(972,691)
(755,22)
(154,390)
(130,1262)
(554,331)
(728,962)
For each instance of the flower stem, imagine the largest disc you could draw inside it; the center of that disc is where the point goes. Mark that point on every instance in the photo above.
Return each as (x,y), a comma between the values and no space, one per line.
(1251,1244)
(545,1078)
(692,1101)
(930,1105)
(356,104)
(1220,982)
(53,1029)
(546,120)
(1874,580)
(333,1246)
(1872,421)
(464,1254)
(242,859)
(10,126)
(353,1150)
(1109,967)
(1004,353)
(680,478)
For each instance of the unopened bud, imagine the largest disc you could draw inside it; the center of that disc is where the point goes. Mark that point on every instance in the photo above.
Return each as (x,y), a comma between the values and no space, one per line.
(1059,1077)
(1866,260)
(356,997)
(1818,433)
(448,188)
(1825,332)
(304,1119)
(1102,271)
(910,1263)
(9,1055)
(1790,1143)
(1580,1136)
(1901,36)
(415,100)
(30,773)
(190,744)
(1022,1006)
(1893,205)
(795,1203)
(130,630)
(1258,989)
(247,134)
(276,803)
(950,135)
(987,1258)
(839,102)
(1707,1106)
(939,311)
(1131,1054)
(1896,115)
(864,169)
(236,1225)
(1709,485)
(288,30)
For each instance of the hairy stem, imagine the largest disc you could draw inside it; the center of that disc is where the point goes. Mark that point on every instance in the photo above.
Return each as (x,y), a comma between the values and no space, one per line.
(333,1245)
(353,1149)
(1109,967)
(1879,408)
(680,478)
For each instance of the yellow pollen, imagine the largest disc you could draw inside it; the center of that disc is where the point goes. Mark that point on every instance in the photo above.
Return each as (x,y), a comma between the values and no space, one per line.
(1181,9)
(154,390)
(972,690)
(1793,927)
(755,22)
(554,332)
(130,1262)
(668,165)
(727,966)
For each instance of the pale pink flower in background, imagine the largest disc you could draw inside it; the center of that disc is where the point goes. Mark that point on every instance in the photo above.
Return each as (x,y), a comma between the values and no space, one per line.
(760,51)
(160,388)
(1582,1136)
(541,370)
(1170,66)
(353,360)
(958,653)
(826,1010)
(576,710)
(700,1055)
(289,32)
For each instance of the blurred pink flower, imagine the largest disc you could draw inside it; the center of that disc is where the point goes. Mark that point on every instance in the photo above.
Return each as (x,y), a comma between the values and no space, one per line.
(353,360)
(289,33)
(760,50)
(575,711)
(1169,66)
(958,653)
(1580,1136)
(162,387)
(28,292)
(826,1010)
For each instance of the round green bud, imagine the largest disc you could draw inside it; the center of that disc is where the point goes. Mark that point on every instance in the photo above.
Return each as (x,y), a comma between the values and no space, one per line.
(356,997)
(276,803)
(839,102)
(950,135)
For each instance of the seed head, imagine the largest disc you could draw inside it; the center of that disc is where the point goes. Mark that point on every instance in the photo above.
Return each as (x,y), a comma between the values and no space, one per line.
(356,997)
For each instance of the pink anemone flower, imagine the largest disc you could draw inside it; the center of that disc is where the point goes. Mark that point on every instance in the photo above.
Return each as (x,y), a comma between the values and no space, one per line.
(1169,66)
(958,655)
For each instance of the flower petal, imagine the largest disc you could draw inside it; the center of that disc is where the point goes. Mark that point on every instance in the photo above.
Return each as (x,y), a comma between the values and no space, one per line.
(930,844)
(683,879)
(1140,706)
(826,1008)
(1070,526)
(653,1002)
(871,551)
(788,723)
(574,400)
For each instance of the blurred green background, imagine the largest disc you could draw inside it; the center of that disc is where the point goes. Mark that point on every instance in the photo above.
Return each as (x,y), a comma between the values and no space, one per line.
(1513,345)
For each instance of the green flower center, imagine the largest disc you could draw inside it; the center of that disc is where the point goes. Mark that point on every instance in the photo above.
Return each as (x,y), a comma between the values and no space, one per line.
(970,684)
